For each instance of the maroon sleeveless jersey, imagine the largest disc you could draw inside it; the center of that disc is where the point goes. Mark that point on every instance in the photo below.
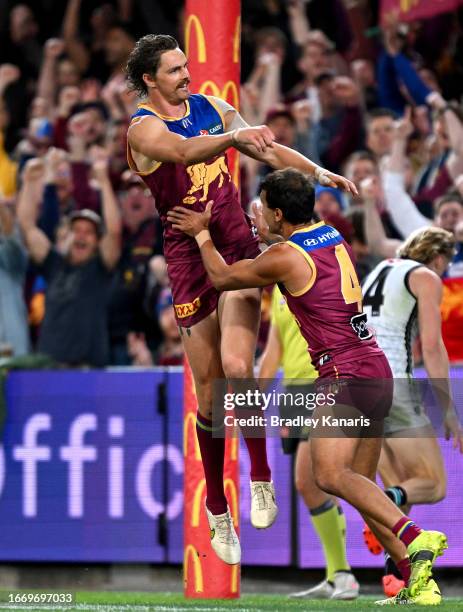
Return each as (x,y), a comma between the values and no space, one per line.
(193,186)
(329,309)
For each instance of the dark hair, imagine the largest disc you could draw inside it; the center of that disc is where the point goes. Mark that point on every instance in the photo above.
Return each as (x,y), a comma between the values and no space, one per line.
(145,58)
(86,214)
(96,105)
(292,192)
(447,199)
(377,113)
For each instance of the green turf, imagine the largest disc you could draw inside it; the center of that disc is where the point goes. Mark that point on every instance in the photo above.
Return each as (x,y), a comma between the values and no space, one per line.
(141,602)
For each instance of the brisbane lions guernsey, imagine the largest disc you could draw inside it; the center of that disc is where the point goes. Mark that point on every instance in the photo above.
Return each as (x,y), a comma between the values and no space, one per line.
(193,186)
(329,309)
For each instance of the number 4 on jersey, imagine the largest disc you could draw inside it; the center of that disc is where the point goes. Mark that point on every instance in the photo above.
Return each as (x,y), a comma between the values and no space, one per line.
(350,287)
(374,296)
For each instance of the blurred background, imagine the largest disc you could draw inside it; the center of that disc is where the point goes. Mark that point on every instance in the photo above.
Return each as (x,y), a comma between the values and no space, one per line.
(354,85)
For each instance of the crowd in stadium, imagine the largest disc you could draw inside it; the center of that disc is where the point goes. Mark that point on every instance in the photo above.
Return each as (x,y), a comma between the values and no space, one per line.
(380,105)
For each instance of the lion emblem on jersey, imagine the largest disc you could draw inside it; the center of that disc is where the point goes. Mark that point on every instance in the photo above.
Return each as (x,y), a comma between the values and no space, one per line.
(202,176)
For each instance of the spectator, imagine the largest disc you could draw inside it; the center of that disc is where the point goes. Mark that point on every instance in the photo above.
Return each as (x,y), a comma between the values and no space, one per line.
(380,132)
(141,239)
(170,352)
(8,168)
(328,202)
(75,327)
(339,131)
(171,349)
(14,339)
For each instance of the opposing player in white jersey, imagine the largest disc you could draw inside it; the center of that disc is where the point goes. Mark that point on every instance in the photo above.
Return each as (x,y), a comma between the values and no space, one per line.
(402,297)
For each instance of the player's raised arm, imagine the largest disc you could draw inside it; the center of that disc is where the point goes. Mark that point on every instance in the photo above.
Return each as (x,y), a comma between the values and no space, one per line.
(279,156)
(150,137)
(267,268)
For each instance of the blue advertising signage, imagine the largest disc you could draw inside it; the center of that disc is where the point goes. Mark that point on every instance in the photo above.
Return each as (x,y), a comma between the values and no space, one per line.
(91,469)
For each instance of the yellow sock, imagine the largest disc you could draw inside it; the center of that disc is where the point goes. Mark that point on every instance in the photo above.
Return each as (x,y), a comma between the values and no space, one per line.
(342,523)
(325,520)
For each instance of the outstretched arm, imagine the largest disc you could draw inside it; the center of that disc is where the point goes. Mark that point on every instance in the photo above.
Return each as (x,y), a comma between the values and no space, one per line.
(29,198)
(377,240)
(278,156)
(110,245)
(266,269)
(150,137)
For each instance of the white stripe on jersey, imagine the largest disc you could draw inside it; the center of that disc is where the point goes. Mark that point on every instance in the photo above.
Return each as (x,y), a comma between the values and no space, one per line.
(392,312)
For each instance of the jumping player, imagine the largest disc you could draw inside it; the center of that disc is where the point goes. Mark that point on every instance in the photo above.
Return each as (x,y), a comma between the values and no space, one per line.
(177,143)
(401,297)
(316,274)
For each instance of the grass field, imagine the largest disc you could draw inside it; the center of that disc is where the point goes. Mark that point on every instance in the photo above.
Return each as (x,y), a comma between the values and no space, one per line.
(141,602)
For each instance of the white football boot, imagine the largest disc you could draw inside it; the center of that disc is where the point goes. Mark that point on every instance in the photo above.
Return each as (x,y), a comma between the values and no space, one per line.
(323,590)
(224,540)
(345,586)
(263,506)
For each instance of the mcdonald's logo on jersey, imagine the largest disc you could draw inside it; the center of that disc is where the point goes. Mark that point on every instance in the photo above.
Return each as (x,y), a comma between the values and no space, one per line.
(193,22)
(191,553)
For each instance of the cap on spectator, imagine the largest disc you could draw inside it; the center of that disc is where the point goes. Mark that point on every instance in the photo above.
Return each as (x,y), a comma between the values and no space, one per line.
(88,215)
(336,193)
(164,301)
(279,111)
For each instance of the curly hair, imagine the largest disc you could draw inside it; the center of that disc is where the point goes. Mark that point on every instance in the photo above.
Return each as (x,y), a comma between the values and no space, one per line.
(424,245)
(292,192)
(145,58)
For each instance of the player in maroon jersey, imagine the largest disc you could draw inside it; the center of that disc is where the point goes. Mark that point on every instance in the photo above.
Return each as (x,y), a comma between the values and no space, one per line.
(313,267)
(177,143)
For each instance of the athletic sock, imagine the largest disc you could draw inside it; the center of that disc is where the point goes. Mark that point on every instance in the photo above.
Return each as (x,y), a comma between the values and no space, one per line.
(256,443)
(342,523)
(405,569)
(397,494)
(406,530)
(257,449)
(325,520)
(212,454)
(391,568)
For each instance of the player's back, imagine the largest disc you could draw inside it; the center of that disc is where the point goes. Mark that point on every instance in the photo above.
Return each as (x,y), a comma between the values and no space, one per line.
(391,309)
(295,358)
(329,309)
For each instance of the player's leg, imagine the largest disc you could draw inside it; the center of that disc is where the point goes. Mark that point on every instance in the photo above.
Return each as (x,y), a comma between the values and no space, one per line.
(333,461)
(201,342)
(422,547)
(239,316)
(329,526)
(333,466)
(365,463)
(412,470)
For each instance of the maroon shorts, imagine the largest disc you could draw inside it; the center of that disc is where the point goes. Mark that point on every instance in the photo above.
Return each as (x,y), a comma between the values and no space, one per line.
(193,294)
(365,384)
